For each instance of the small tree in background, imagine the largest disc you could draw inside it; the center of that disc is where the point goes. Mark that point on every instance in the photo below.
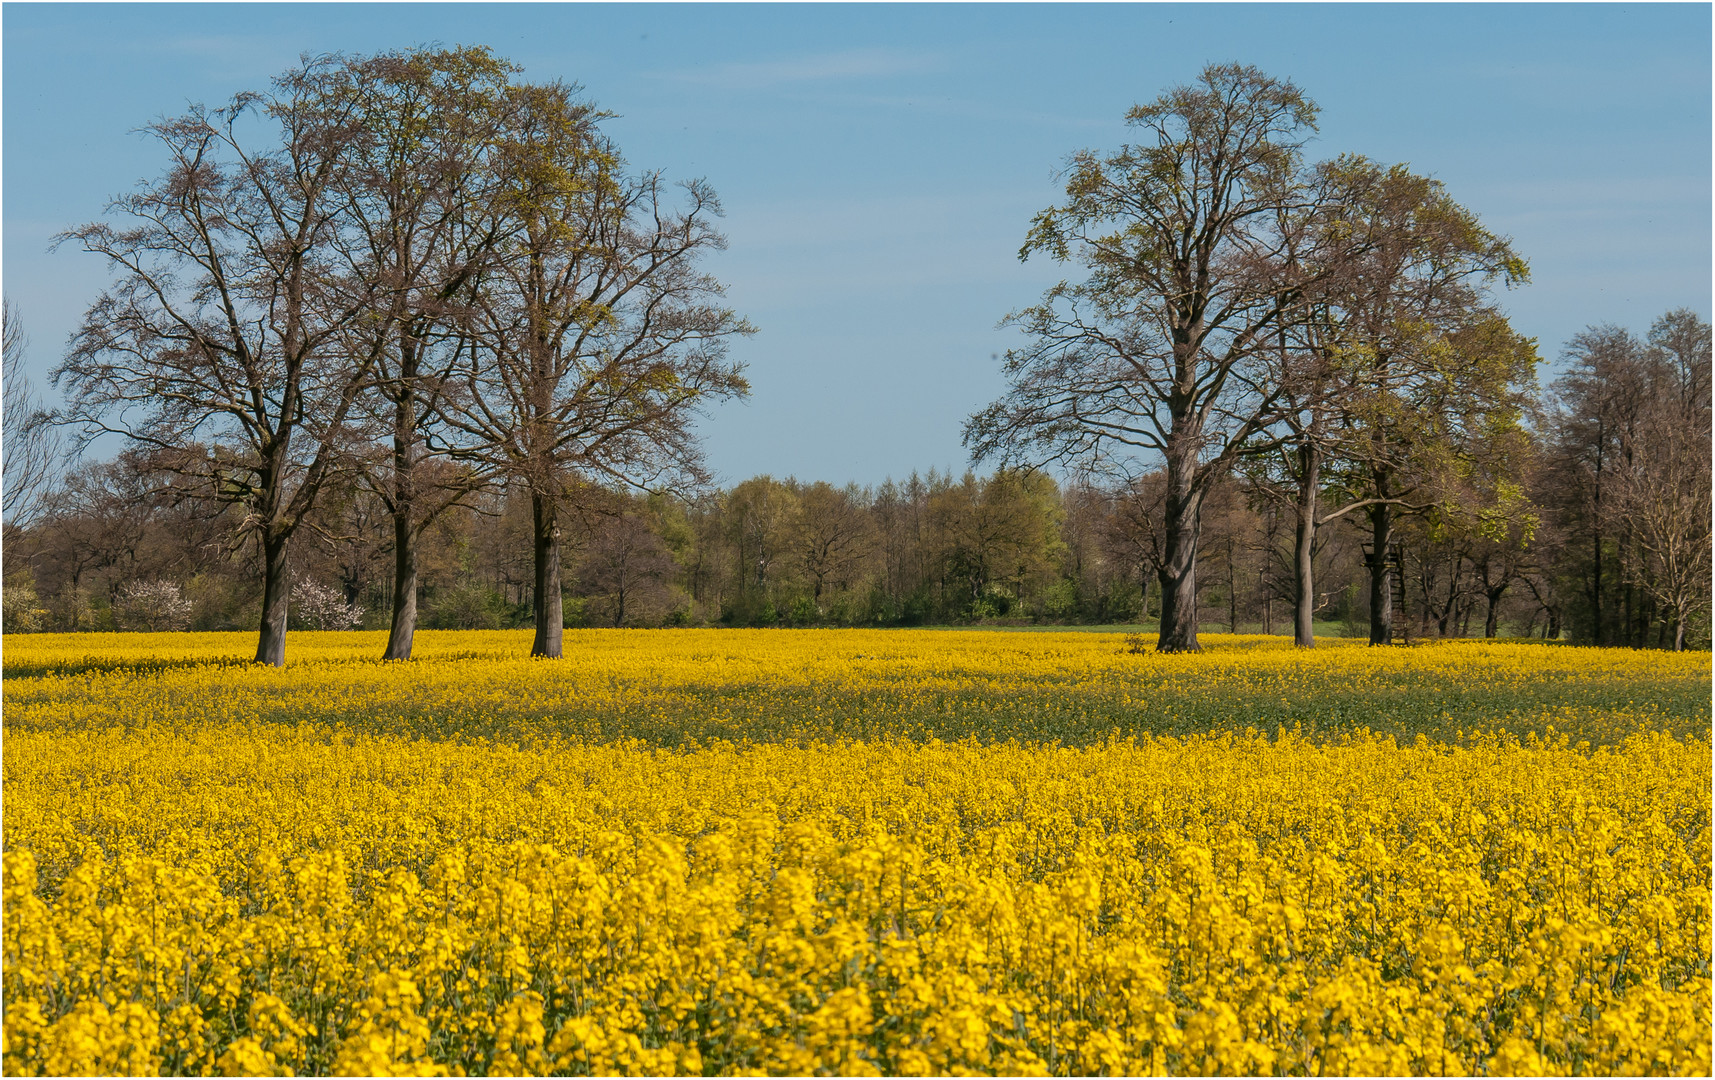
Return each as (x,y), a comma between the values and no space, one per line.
(322,608)
(151,606)
(20,609)
(627,571)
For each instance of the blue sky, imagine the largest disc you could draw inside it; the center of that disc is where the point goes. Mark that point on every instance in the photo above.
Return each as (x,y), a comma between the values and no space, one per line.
(880,163)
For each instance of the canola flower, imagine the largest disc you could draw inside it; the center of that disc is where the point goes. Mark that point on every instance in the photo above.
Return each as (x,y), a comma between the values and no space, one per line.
(681,687)
(707,853)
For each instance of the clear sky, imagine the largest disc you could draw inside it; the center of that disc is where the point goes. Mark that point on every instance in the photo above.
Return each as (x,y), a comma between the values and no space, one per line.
(880,163)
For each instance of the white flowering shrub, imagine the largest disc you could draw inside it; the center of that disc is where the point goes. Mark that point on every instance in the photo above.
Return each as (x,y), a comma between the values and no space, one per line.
(321,608)
(151,606)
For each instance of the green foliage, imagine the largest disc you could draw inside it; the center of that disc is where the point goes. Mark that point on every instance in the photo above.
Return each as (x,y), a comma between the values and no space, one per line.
(470,607)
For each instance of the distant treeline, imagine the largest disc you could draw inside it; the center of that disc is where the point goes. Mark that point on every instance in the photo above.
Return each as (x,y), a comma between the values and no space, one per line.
(116,547)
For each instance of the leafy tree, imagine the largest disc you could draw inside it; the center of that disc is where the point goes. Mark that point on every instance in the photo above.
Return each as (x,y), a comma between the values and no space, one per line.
(830,535)
(994,538)
(1194,242)
(758,515)
(422,192)
(1398,342)
(592,338)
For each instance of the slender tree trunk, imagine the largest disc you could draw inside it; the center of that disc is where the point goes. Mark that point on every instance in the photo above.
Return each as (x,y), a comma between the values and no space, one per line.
(1445,620)
(1381,587)
(1492,624)
(550,616)
(404,625)
(1232,590)
(1304,580)
(1178,573)
(1596,539)
(1679,633)
(1627,636)
(271,642)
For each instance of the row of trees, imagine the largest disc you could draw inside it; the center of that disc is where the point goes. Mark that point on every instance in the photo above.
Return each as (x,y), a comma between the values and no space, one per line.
(408,308)
(1329,323)
(1605,541)
(395,268)
(1627,456)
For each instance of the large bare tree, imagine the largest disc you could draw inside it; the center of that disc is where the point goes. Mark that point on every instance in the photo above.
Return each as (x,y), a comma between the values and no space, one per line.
(594,337)
(224,341)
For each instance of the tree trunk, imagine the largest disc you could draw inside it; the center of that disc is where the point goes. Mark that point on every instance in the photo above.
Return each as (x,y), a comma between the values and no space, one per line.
(1596,589)
(1304,579)
(1491,625)
(1381,591)
(1232,590)
(1445,620)
(404,586)
(550,617)
(271,642)
(1596,542)
(1178,572)
(404,625)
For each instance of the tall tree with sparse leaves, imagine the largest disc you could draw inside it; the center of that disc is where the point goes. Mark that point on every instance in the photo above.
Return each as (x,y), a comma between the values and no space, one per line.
(1193,241)
(594,337)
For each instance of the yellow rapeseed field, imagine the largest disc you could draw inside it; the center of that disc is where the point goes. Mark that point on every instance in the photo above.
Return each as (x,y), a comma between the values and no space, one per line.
(853,852)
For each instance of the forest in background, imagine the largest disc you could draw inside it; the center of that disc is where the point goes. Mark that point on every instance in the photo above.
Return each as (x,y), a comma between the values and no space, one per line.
(1618,458)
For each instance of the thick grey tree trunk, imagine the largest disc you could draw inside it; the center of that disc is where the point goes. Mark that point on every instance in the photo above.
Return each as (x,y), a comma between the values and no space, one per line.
(276,589)
(550,615)
(404,626)
(1178,573)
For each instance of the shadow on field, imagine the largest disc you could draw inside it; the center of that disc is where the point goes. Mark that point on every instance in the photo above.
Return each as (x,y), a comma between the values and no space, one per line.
(85,665)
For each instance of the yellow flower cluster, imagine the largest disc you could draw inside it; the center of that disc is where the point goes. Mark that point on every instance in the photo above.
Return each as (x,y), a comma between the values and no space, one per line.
(676,687)
(214,868)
